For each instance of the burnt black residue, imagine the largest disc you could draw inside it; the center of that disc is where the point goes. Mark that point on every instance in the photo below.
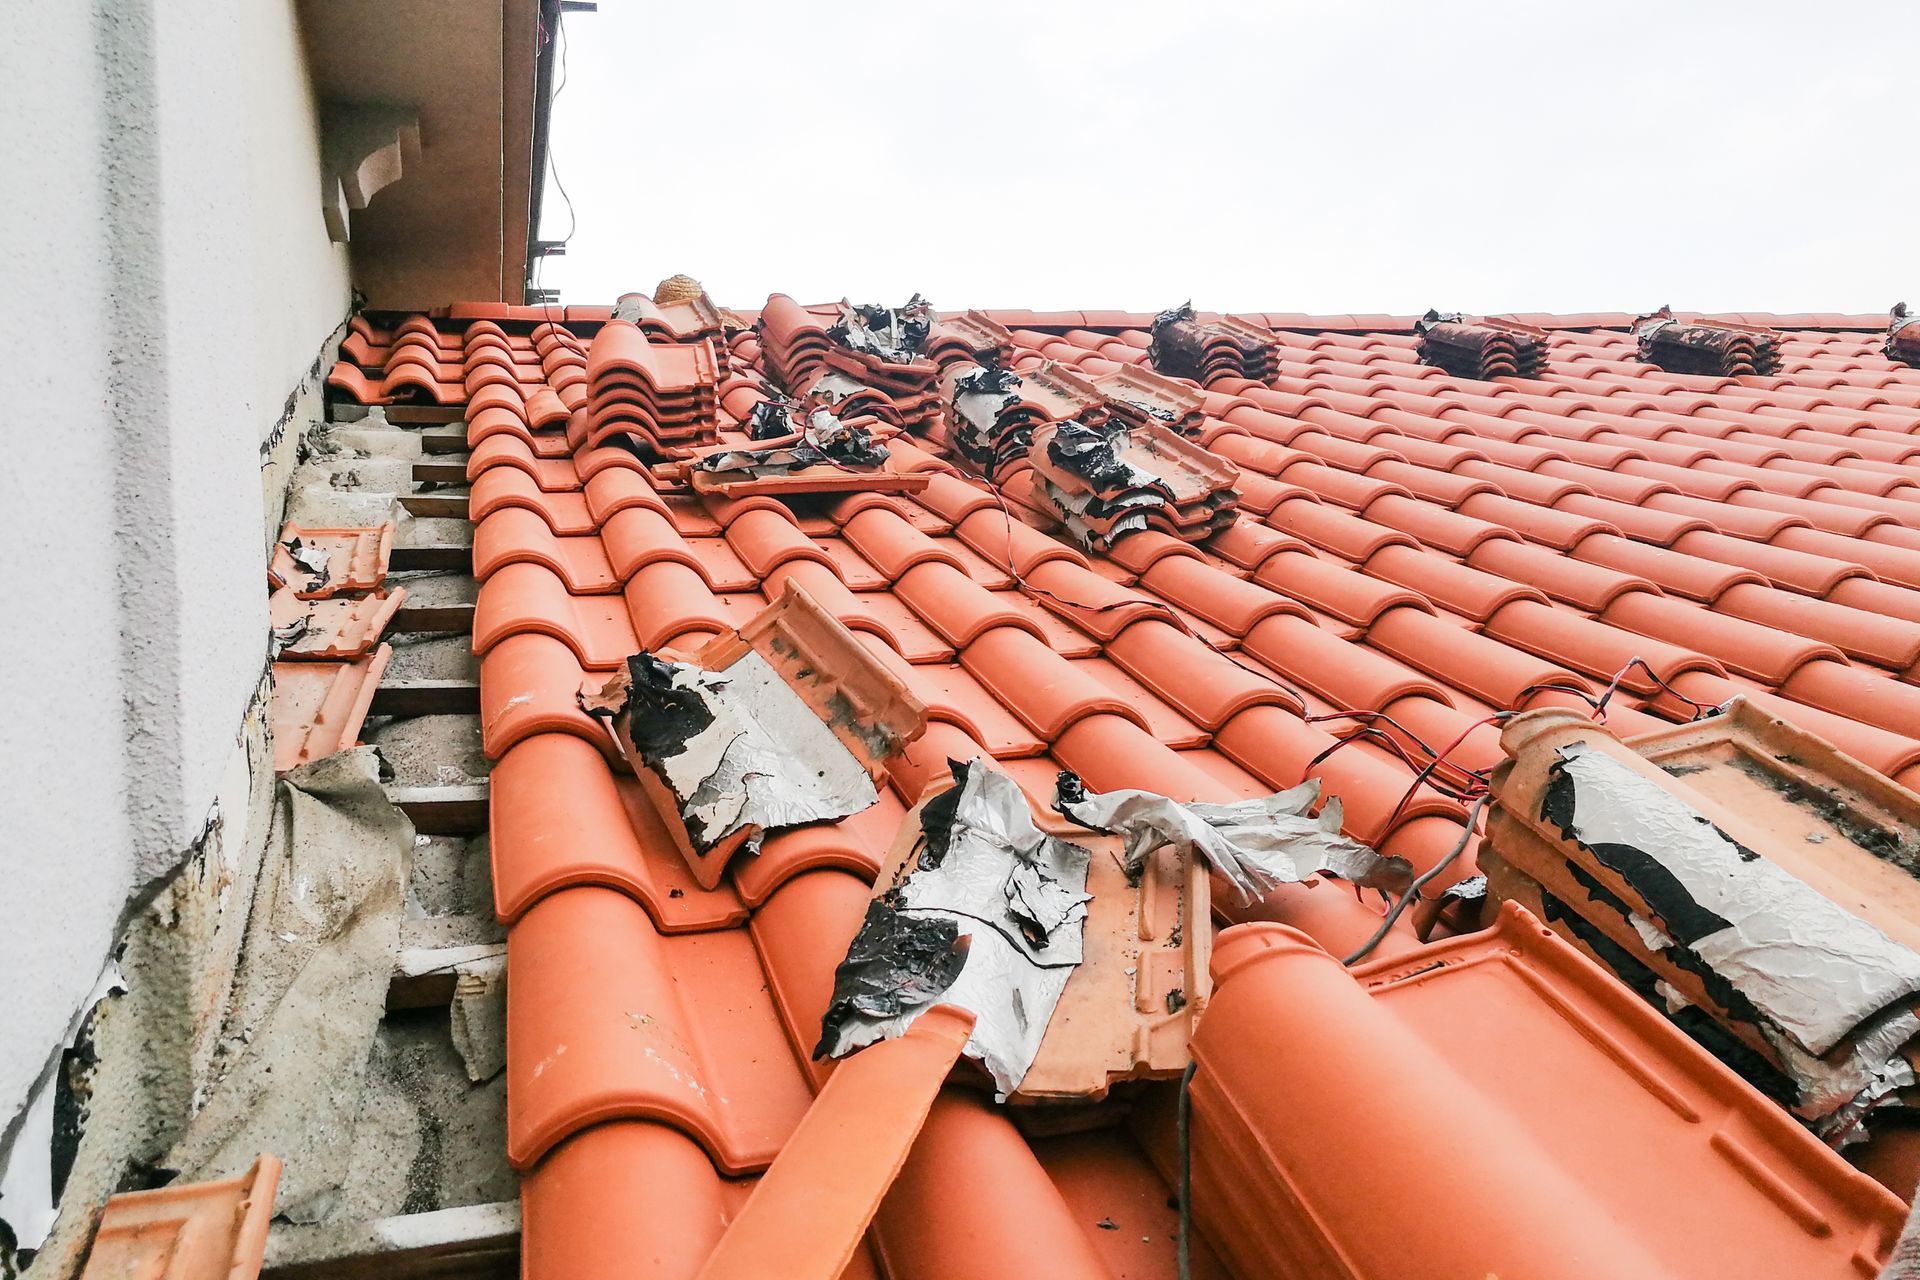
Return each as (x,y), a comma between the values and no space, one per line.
(1089,453)
(1683,917)
(1683,769)
(661,718)
(770,420)
(1717,988)
(1885,843)
(1696,1022)
(936,819)
(895,963)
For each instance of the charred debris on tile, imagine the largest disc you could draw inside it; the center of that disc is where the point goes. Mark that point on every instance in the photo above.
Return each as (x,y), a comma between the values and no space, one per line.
(1721,349)
(1184,346)
(1078,936)
(1715,868)
(986,874)
(1903,339)
(895,335)
(1102,484)
(714,738)
(1480,349)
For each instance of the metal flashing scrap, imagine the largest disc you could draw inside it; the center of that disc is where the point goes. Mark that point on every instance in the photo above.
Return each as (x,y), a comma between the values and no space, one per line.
(786,722)
(1481,349)
(187,1231)
(1741,874)
(1720,349)
(1102,484)
(1185,346)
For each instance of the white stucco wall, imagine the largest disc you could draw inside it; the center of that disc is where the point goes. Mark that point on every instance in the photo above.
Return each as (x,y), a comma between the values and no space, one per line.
(169,282)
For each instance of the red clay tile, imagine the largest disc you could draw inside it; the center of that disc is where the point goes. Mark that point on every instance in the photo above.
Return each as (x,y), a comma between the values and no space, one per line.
(336,628)
(214,1230)
(1752,649)
(350,560)
(1600,465)
(605,1021)
(515,535)
(560,819)
(530,599)
(1268,1181)
(808,1213)
(501,487)
(530,684)
(1353,597)
(318,707)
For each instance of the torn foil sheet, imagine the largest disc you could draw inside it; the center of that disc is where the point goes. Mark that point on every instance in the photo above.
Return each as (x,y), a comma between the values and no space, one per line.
(1805,965)
(980,397)
(894,335)
(825,441)
(1836,1092)
(1094,455)
(740,749)
(1257,844)
(1015,899)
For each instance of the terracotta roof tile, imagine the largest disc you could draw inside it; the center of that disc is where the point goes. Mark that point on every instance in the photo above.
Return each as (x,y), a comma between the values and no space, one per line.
(1415,554)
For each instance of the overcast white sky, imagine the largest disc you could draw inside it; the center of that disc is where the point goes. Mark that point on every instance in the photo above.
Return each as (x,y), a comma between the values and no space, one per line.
(1317,157)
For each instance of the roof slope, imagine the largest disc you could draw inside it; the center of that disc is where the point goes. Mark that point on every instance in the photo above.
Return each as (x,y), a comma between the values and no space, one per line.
(1415,553)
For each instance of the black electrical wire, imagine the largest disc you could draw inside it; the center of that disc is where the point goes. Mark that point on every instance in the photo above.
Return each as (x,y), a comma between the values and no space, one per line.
(1426,877)
(1184,1246)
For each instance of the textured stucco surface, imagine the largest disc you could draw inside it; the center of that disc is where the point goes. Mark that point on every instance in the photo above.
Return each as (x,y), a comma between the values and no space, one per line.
(162,217)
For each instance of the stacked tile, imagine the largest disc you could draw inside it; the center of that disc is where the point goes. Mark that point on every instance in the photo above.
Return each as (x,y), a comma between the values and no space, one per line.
(1205,351)
(1903,338)
(1723,349)
(1481,349)
(973,338)
(663,397)
(883,347)
(992,412)
(1141,397)
(415,362)
(684,320)
(854,400)
(793,341)
(1735,874)
(1102,484)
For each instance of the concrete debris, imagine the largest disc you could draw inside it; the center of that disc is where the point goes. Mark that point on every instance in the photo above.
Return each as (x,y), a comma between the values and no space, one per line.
(322,935)
(479,1017)
(1256,844)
